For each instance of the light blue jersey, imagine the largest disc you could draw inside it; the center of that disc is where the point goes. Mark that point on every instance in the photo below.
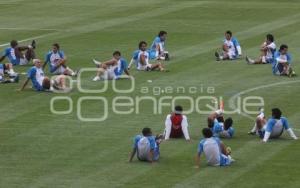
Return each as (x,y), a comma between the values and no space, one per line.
(143,145)
(219,130)
(153,49)
(276,126)
(53,59)
(212,150)
(279,58)
(10,54)
(233,46)
(120,68)
(36,75)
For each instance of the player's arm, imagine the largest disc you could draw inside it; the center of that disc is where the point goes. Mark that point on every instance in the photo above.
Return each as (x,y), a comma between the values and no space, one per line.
(24,84)
(198,160)
(132,154)
(151,155)
(110,62)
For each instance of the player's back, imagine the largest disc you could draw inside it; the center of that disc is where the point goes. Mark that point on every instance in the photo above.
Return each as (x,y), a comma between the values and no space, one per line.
(211,150)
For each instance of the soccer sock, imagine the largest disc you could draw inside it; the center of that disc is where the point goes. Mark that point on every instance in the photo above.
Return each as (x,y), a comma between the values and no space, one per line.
(254,128)
(263,59)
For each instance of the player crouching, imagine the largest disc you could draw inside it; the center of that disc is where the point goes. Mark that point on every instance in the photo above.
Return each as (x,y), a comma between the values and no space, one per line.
(176,125)
(274,127)
(42,83)
(216,153)
(7,69)
(111,69)
(146,146)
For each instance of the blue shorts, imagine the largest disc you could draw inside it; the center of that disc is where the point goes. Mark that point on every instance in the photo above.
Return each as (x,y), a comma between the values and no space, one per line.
(224,160)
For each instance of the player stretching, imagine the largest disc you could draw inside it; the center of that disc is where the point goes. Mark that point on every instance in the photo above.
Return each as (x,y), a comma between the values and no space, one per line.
(231,48)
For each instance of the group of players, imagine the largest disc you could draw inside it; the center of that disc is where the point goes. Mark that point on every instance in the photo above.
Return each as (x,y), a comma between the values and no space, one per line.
(146,146)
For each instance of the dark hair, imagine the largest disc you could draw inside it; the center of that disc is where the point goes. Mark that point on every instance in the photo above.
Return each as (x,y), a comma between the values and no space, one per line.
(228,123)
(207,133)
(56,45)
(178,109)
(276,113)
(141,43)
(146,131)
(220,119)
(210,123)
(13,43)
(46,83)
(229,33)
(283,46)
(270,37)
(117,53)
(161,33)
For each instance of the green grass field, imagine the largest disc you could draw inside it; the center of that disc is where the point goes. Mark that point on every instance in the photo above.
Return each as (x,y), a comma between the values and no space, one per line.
(41,149)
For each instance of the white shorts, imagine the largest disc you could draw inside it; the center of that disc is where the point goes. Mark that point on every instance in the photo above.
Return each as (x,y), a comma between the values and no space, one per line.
(109,74)
(231,54)
(144,67)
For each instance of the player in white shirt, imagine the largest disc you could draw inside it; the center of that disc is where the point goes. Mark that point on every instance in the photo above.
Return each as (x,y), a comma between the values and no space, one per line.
(176,125)
(215,151)
(231,48)
(268,49)
(142,59)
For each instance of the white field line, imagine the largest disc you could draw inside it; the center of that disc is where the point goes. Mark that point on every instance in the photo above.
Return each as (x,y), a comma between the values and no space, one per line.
(28,29)
(28,39)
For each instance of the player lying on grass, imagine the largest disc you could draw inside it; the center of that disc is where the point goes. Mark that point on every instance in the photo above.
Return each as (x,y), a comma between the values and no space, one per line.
(268,49)
(176,125)
(146,146)
(215,151)
(111,69)
(142,59)
(231,48)
(15,53)
(282,65)
(274,126)
(157,50)
(7,69)
(218,126)
(42,83)
(58,62)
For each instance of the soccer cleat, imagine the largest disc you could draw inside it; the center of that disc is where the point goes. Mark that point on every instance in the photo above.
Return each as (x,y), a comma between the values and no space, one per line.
(97,78)
(97,63)
(16,79)
(249,61)
(251,133)
(261,134)
(75,73)
(217,56)
(33,44)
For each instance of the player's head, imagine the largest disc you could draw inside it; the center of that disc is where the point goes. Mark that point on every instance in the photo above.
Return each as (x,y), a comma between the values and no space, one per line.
(228,35)
(276,113)
(162,35)
(37,63)
(117,55)
(55,47)
(13,43)
(46,83)
(283,49)
(270,38)
(207,133)
(178,109)
(143,45)
(228,123)
(146,131)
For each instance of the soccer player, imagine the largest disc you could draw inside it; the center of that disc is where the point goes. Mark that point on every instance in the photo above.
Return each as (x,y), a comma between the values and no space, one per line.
(142,59)
(42,83)
(219,127)
(15,53)
(275,126)
(146,146)
(282,65)
(7,68)
(259,122)
(176,125)
(157,50)
(216,153)
(58,62)
(267,49)
(231,48)
(111,69)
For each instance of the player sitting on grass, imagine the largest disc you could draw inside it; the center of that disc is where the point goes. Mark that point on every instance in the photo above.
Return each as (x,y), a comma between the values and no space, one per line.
(268,49)
(260,121)
(231,48)
(42,83)
(15,53)
(176,125)
(146,146)
(219,127)
(282,65)
(274,127)
(111,69)
(157,50)
(142,59)
(58,62)
(8,69)
(216,153)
